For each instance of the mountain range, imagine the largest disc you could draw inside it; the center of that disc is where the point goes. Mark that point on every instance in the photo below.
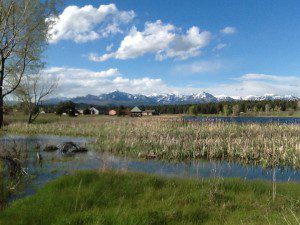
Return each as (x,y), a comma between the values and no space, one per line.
(122,98)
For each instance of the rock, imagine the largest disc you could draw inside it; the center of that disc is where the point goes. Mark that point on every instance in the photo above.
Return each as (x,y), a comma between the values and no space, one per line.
(71,147)
(81,149)
(50,148)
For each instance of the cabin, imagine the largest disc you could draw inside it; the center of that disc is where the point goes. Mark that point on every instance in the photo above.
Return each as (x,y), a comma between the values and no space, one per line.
(112,112)
(135,112)
(94,111)
(148,112)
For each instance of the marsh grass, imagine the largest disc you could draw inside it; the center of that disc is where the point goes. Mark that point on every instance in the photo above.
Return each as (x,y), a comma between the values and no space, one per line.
(171,139)
(129,198)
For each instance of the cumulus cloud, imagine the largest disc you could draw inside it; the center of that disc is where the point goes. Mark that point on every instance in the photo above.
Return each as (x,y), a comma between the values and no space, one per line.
(228,30)
(259,84)
(82,24)
(78,82)
(160,39)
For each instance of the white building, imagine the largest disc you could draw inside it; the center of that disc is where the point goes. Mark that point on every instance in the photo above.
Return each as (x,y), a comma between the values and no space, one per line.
(94,111)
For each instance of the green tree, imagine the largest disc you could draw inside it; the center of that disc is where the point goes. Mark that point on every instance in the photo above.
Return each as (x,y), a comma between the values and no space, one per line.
(267,108)
(192,110)
(226,110)
(235,110)
(66,107)
(23,37)
(121,110)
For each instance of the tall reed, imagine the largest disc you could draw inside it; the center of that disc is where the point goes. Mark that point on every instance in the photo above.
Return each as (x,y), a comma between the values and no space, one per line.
(171,139)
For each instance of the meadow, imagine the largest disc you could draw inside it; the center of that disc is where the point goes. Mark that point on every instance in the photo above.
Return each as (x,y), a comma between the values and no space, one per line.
(168,138)
(129,198)
(107,197)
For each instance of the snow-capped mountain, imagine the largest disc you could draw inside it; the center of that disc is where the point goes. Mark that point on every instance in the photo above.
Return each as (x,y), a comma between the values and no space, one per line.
(224,98)
(122,98)
(270,97)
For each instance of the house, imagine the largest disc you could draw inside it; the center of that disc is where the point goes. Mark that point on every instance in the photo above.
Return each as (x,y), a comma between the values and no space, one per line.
(80,111)
(112,112)
(135,112)
(148,112)
(94,111)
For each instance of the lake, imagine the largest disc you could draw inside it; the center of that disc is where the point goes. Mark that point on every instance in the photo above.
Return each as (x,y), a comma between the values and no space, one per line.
(54,164)
(278,120)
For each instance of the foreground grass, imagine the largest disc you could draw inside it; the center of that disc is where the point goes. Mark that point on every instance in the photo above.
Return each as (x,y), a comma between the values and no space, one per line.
(169,138)
(128,198)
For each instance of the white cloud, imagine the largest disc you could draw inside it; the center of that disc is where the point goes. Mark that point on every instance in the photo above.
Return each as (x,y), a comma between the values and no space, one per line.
(260,76)
(78,82)
(81,24)
(228,30)
(160,39)
(220,46)
(109,47)
(75,73)
(259,84)
(200,67)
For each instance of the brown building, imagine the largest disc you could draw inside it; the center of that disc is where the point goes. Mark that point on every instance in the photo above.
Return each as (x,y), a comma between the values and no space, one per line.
(112,112)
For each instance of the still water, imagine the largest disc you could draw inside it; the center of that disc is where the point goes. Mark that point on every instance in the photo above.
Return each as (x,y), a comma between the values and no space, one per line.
(54,164)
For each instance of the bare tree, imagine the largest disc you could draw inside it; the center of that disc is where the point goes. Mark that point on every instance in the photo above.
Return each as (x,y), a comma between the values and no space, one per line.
(32,91)
(23,37)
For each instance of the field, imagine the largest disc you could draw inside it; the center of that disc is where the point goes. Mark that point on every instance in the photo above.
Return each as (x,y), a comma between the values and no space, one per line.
(107,197)
(169,138)
(129,198)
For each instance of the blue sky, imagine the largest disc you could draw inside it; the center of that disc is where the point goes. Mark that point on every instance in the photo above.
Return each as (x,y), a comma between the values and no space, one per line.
(235,48)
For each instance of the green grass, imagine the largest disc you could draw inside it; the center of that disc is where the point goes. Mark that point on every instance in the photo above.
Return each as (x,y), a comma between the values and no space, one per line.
(19,117)
(127,198)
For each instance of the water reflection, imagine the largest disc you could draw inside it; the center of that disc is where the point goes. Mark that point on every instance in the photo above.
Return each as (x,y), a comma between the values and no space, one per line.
(54,164)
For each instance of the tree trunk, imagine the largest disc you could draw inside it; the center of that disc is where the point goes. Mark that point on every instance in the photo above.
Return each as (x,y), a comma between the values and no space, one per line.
(1,104)
(29,118)
(1,91)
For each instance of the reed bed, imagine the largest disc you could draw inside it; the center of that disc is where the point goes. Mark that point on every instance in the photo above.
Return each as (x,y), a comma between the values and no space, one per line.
(171,139)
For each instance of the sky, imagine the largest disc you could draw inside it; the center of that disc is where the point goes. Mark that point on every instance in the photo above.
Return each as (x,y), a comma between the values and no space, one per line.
(230,47)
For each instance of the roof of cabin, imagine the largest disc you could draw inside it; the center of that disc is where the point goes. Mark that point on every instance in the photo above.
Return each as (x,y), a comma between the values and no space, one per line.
(136,110)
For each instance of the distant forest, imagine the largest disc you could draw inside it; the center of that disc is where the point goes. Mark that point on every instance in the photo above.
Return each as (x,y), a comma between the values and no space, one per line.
(230,108)
(222,108)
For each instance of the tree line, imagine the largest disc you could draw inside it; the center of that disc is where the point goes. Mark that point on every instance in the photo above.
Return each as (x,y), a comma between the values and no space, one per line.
(234,108)
(230,108)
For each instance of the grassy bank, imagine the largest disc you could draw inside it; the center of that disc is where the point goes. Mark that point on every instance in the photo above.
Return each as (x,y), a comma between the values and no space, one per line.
(169,138)
(128,198)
